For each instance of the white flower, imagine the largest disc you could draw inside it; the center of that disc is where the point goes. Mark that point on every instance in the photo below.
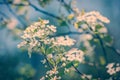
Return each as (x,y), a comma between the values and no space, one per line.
(39,33)
(80,30)
(43,61)
(36,34)
(33,43)
(88,76)
(103,19)
(50,56)
(12,23)
(52,28)
(55,78)
(92,19)
(110,65)
(75,55)
(93,16)
(85,37)
(22,44)
(45,21)
(113,68)
(64,64)
(39,29)
(63,41)
(111,71)
(66,70)
(52,72)
(117,69)
(43,78)
(84,26)
(103,30)
(63,59)
(17,1)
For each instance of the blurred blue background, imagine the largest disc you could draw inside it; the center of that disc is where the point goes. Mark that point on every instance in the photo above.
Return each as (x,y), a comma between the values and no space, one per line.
(15,63)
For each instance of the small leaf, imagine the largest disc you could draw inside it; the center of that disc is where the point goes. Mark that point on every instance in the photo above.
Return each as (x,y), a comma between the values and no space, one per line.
(102,60)
(108,39)
(76,64)
(70,17)
(62,23)
(76,25)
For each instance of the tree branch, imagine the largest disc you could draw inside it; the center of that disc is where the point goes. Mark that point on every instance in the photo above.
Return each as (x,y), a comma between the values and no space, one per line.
(67,33)
(15,15)
(103,47)
(79,72)
(11,3)
(47,61)
(4,15)
(33,6)
(42,11)
(112,48)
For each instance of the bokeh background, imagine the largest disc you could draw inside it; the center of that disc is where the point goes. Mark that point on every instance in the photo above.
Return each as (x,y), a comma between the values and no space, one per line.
(15,63)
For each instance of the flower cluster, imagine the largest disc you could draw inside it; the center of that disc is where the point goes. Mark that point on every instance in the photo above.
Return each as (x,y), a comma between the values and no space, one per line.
(36,33)
(92,17)
(39,29)
(113,68)
(64,41)
(38,37)
(52,75)
(74,55)
(60,41)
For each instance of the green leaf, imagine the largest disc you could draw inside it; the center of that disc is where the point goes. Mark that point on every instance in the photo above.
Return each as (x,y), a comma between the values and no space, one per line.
(108,39)
(49,50)
(62,23)
(44,3)
(42,49)
(99,26)
(102,60)
(76,64)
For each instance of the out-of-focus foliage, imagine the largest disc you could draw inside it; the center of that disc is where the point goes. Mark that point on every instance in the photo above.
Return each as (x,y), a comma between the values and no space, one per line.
(96,42)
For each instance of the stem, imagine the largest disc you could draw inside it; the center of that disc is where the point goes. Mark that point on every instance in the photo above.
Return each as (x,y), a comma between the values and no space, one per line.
(4,15)
(79,72)
(30,4)
(14,14)
(48,61)
(42,11)
(103,47)
(66,6)
(112,48)
(101,43)
(96,67)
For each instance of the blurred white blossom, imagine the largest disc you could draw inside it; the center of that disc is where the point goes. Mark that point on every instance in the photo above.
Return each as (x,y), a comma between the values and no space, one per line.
(22,44)
(12,23)
(113,68)
(37,36)
(92,17)
(17,1)
(74,55)
(63,41)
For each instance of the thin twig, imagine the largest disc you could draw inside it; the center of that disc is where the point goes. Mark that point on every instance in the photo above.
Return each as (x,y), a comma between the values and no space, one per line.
(103,47)
(66,6)
(4,15)
(33,6)
(67,33)
(48,61)
(101,43)
(112,48)
(79,72)
(8,2)
(15,15)
(42,11)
